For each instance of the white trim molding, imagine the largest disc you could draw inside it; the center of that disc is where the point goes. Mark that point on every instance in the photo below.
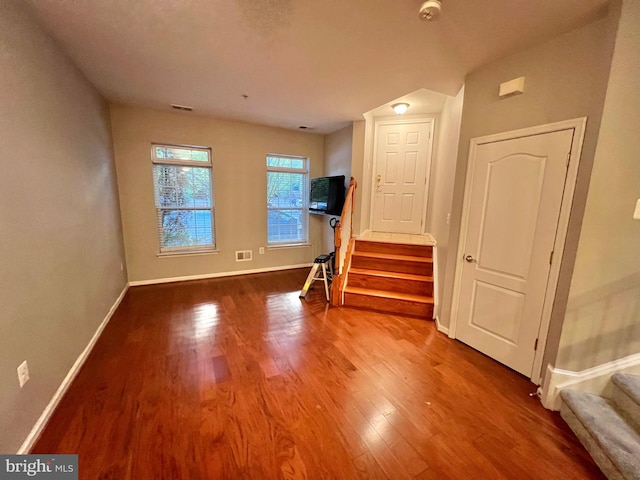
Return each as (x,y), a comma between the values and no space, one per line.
(441,328)
(62,389)
(593,380)
(205,276)
(436,279)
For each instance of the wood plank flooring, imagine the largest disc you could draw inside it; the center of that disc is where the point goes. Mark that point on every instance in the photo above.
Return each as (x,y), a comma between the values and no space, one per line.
(238,378)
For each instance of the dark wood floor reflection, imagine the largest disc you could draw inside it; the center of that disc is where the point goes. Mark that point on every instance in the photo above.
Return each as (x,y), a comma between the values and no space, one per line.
(239,378)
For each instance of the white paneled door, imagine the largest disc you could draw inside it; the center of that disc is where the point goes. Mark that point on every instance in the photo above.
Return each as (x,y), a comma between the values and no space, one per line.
(401,171)
(513,202)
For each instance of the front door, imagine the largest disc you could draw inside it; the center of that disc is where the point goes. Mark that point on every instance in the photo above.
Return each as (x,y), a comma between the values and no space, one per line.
(516,189)
(401,169)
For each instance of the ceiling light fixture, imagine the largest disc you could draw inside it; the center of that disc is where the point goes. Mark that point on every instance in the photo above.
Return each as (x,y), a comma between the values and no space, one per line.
(430,10)
(400,108)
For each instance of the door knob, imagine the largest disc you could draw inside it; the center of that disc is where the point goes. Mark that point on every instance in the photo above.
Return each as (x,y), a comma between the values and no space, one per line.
(470,259)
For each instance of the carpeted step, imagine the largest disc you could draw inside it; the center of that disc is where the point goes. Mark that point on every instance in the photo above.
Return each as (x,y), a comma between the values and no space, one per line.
(611,441)
(626,396)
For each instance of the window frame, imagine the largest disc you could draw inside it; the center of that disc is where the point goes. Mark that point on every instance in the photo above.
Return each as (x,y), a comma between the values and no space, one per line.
(304,208)
(173,162)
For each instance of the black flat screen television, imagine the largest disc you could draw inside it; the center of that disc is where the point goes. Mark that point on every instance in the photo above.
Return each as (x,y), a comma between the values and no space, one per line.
(326,195)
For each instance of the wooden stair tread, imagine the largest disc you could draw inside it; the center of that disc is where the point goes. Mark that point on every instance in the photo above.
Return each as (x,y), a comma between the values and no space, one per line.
(391,256)
(390,295)
(398,248)
(384,273)
(394,242)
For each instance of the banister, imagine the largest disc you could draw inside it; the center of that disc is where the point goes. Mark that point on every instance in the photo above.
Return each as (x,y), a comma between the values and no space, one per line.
(341,241)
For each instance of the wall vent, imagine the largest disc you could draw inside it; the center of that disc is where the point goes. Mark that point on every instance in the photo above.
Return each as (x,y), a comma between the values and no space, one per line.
(243,255)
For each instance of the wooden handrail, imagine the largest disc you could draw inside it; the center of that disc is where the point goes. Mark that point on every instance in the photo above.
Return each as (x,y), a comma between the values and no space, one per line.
(341,241)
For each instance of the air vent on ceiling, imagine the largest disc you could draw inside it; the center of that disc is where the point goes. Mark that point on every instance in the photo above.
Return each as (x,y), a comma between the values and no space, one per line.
(305,127)
(243,255)
(181,107)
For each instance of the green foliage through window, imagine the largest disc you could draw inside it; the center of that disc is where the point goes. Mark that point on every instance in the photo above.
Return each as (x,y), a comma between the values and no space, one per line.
(287,216)
(184,198)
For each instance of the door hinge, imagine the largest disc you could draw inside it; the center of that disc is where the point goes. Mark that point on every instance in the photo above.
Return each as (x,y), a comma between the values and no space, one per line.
(535,346)
(551,258)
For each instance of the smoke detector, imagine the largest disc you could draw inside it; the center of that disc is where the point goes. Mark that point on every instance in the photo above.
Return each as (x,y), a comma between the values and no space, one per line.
(430,10)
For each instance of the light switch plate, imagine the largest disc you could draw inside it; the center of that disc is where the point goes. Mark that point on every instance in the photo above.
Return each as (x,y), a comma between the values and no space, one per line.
(636,214)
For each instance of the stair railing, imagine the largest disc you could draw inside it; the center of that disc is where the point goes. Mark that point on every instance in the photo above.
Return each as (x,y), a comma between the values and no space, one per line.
(342,243)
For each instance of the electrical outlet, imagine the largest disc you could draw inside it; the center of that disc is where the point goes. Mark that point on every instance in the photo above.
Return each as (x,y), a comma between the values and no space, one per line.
(121,267)
(448,218)
(23,373)
(261,250)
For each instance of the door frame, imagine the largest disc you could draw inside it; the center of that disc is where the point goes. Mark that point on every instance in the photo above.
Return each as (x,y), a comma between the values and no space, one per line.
(429,120)
(578,125)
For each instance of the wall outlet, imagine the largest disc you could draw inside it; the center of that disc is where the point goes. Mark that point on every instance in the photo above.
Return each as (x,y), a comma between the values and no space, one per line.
(23,373)
(121,267)
(448,218)
(261,250)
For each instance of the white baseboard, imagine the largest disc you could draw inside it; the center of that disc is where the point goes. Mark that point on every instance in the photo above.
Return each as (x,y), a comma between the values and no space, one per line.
(155,281)
(440,327)
(53,403)
(593,380)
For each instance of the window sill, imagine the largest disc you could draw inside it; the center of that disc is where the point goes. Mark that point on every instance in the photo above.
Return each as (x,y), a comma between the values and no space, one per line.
(287,245)
(187,254)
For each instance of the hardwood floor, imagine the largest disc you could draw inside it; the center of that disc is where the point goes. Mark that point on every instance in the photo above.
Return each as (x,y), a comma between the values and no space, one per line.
(239,378)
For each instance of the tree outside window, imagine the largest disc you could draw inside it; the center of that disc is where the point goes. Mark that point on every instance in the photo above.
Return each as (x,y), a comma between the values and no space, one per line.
(287,216)
(183,187)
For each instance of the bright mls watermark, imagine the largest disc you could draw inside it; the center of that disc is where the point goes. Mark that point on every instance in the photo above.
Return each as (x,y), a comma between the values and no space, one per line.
(51,467)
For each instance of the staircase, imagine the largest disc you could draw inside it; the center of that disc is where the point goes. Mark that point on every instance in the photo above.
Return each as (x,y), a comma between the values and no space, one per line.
(608,428)
(391,277)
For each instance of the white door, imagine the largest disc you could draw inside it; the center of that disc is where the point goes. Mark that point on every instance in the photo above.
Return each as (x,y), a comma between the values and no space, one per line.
(401,170)
(513,209)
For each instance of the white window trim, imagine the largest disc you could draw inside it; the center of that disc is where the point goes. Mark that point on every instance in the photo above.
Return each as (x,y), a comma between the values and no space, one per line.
(305,201)
(187,250)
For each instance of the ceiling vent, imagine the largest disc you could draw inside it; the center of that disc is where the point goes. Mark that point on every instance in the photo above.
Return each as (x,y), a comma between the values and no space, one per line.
(181,107)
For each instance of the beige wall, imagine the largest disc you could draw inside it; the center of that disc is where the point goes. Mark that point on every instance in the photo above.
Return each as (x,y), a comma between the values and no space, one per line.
(602,320)
(61,245)
(239,151)
(337,161)
(361,210)
(565,78)
(443,168)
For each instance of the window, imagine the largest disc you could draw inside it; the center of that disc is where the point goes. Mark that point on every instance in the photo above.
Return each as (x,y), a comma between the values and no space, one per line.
(287,215)
(183,186)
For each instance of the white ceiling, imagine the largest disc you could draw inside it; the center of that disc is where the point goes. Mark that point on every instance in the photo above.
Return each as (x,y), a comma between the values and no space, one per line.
(300,62)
